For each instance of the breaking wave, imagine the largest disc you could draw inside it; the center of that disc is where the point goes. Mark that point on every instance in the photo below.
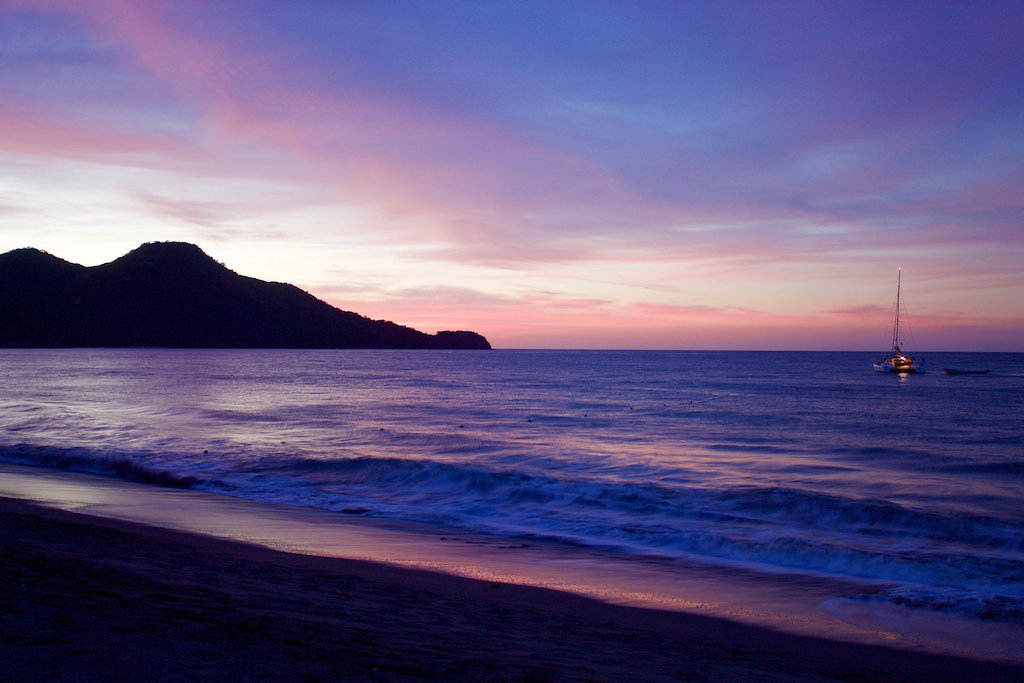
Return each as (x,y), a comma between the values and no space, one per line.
(86,461)
(971,564)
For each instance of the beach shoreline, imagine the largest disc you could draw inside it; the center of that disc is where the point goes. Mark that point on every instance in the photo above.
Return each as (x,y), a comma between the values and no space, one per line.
(90,597)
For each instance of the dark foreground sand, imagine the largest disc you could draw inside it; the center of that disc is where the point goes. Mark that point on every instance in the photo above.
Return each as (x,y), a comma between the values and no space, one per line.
(87,598)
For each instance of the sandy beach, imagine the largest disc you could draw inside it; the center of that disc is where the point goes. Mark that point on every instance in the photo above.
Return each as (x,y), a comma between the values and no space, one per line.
(90,598)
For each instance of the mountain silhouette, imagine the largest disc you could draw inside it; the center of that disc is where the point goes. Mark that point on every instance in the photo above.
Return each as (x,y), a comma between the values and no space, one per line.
(172,294)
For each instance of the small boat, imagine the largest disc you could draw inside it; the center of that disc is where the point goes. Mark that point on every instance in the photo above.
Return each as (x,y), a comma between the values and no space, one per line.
(897,361)
(954,371)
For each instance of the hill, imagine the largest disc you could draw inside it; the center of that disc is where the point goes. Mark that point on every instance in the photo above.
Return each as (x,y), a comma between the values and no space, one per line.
(172,294)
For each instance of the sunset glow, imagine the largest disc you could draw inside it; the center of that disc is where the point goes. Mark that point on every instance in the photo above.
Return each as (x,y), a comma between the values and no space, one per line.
(735,175)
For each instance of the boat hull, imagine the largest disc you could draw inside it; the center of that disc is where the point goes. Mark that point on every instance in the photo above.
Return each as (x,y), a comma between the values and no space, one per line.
(901,368)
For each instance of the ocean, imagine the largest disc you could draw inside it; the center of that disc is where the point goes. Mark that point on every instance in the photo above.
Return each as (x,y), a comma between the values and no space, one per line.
(886,492)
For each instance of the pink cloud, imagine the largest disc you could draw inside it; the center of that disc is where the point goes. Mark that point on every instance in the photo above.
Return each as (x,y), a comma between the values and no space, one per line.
(784,155)
(494,194)
(870,310)
(24,131)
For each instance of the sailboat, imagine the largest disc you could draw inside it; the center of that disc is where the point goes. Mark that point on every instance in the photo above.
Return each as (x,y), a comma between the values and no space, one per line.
(897,361)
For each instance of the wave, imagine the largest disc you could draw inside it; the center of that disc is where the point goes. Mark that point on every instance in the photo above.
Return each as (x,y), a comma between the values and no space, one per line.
(87,461)
(984,605)
(767,528)
(969,563)
(393,478)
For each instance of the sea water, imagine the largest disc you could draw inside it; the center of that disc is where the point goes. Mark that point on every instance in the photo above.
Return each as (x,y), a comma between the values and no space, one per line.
(905,492)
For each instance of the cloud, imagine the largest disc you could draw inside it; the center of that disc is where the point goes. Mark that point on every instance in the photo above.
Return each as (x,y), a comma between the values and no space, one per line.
(690,312)
(440,137)
(203,214)
(871,310)
(693,159)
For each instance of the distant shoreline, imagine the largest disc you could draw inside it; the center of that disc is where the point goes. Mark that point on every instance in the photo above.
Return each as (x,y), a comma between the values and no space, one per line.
(172,295)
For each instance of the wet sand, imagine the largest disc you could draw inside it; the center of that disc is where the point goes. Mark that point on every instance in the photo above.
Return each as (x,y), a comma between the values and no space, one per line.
(90,598)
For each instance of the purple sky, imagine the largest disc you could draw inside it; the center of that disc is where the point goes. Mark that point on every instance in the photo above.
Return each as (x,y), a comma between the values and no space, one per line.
(739,175)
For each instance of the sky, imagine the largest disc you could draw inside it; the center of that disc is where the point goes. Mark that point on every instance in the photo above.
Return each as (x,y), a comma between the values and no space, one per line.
(639,175)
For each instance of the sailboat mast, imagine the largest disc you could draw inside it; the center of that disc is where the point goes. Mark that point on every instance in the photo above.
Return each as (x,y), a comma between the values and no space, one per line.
(896,327)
